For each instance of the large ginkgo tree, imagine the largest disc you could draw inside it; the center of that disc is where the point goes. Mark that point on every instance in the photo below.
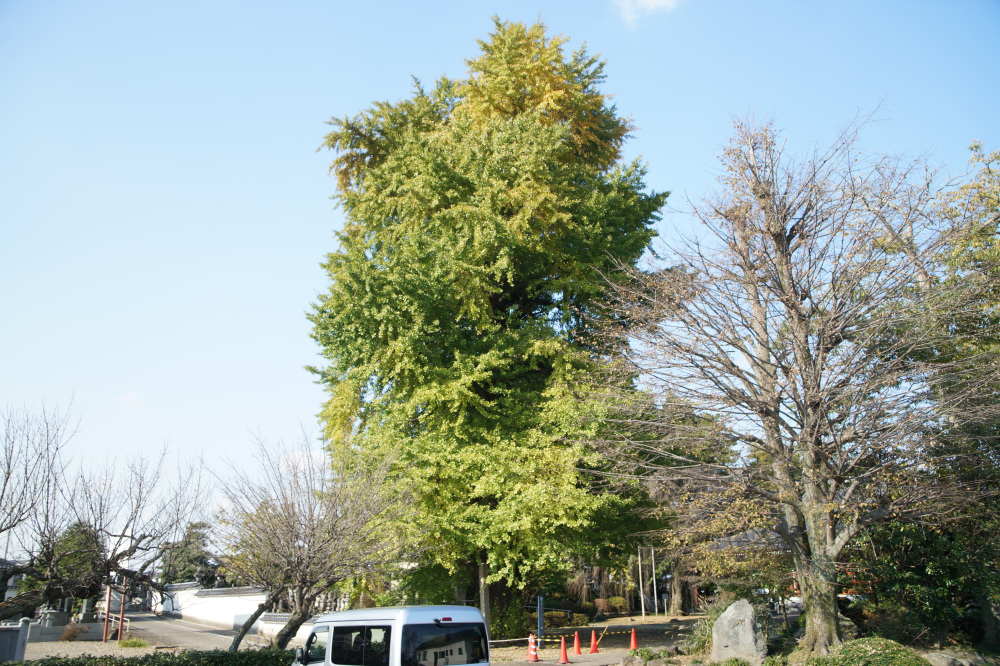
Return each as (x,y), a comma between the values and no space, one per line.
(482,217)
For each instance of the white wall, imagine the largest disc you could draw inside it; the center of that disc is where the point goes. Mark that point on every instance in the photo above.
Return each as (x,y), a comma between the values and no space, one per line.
(226,608)
(271,623)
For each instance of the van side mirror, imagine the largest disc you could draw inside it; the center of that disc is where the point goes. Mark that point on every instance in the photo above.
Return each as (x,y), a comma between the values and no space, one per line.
(300,655)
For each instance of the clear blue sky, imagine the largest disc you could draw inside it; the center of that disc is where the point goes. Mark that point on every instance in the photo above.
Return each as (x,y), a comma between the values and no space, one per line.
(163,209)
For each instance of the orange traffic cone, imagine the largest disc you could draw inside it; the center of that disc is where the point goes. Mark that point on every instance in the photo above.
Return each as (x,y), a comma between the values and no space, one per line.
(576,642)
(563,657)
(634,645)
(593,642)
(532,648)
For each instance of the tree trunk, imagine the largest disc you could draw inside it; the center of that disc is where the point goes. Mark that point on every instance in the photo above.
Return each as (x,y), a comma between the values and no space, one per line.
(261,609)
(291,627)
(991,622)
(818,581)
(676,591)
(484,593)
(21,604)
(942,633)
(676,597)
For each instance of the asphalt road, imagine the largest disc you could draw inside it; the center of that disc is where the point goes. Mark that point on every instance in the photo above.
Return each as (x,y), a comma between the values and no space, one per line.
(169,632)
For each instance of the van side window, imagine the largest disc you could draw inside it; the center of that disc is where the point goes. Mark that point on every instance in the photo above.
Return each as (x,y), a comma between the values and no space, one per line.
(361,645)
(444,644)
(316,645)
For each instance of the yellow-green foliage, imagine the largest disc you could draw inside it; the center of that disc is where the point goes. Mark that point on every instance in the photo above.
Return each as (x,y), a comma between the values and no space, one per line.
(522,71)
(481,218)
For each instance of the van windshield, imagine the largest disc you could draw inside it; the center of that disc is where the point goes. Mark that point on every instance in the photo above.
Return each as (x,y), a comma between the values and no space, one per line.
(445,644)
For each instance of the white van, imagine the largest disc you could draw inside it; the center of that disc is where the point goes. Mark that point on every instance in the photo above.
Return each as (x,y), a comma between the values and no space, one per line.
(398,636)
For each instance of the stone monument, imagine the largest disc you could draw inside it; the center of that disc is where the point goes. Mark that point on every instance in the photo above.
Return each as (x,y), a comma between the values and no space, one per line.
(736,634)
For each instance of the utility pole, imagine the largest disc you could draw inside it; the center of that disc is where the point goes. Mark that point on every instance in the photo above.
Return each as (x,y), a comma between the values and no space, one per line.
(642,597)
(656,604)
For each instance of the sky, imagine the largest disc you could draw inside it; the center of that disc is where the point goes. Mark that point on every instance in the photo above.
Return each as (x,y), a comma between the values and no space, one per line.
(164,208)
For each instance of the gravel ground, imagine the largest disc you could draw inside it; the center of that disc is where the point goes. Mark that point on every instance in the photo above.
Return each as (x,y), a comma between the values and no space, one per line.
(80,648)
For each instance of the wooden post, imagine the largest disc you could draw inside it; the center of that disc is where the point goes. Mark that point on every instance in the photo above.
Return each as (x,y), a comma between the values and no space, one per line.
(107,612)
(121,616)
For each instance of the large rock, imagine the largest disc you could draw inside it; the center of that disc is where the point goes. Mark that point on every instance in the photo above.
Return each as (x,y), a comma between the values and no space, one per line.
(954,658)
(941,659)
(736,634)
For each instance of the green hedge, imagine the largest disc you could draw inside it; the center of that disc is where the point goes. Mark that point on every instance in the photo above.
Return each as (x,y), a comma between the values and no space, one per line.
(557,620)
(189,658)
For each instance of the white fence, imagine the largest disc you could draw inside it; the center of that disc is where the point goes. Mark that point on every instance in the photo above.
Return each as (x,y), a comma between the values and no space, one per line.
(271,623)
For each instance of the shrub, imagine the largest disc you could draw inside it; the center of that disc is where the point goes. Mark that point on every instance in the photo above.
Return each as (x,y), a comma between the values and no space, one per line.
(509,621)
(72,631)
(875,651)
(736,661)
(618,604)
(556,619)
(133,643)
(700,640)
(872,651)
(588,608)
(642,653)
(891,620)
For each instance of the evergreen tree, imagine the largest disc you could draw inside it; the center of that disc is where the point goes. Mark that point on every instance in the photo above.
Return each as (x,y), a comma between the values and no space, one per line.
(70,565)
(190,559)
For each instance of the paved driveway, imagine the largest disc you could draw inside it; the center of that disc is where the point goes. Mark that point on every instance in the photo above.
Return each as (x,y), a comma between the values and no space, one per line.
(164,632)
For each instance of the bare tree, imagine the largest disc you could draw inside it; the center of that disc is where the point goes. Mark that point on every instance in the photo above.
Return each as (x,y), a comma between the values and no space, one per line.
(303,521)
(107,526)
(31,457)
(31,452)
(804,334)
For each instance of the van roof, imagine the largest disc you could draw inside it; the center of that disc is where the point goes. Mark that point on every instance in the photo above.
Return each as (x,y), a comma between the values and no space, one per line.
(408,614)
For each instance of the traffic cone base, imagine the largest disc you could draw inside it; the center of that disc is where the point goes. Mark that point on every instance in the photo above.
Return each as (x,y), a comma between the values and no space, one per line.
(593,642)
(563,657)
(634,645)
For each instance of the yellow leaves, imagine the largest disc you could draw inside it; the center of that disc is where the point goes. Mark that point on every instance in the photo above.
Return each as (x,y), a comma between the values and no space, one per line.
(523,72)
